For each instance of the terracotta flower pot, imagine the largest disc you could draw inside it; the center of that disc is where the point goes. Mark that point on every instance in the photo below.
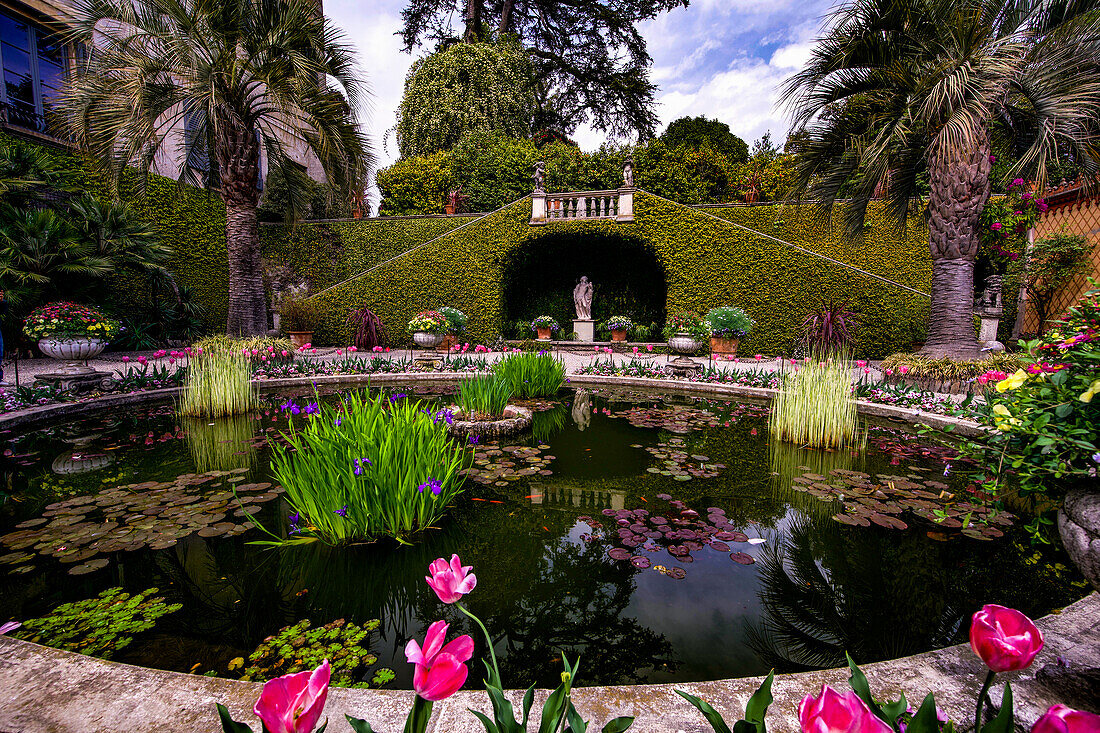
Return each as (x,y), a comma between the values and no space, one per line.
(448,341)
(618,334)
(298,339)
(723,346)
(544,334)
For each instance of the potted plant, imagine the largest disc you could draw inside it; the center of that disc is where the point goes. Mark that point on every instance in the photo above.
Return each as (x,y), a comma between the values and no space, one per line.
(544,326)
(298,316)
(619,325)
(428,329)
(686,332)
(728,325)
(456,324)
(69,331)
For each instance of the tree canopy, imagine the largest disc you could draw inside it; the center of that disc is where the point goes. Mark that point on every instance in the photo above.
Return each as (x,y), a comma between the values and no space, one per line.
(590,62)
(699,132)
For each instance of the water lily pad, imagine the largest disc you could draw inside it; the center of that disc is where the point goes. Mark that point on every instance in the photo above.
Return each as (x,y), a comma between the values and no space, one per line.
(742,558)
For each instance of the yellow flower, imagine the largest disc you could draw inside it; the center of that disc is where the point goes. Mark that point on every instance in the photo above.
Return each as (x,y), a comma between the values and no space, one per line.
(1012,382)
(1003,419)
(1094,388)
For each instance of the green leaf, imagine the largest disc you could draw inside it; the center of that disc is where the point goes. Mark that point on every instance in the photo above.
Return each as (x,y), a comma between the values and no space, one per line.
(577,724)
(757,706)
(228,724)
(1063,409)
(924,721)
(618,725)
(713,716)
(894,710)
(858,681)
(1003,722)
(357,725)
(528,701)
(490,727)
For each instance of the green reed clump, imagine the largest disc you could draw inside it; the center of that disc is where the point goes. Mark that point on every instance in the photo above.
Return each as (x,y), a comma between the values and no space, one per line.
(532,375)
(366,468)
(483,398)
(814,406)
(217,385)
(221,444)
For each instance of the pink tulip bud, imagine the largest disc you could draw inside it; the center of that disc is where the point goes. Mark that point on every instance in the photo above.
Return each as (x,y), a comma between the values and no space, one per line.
(286,353)
(758,357)
(861,363)
(903,369)
(1064,719)
(832,712)
(293,703)
(1005,639)
(450,581)
(889,372)
(126,358)
(440,669)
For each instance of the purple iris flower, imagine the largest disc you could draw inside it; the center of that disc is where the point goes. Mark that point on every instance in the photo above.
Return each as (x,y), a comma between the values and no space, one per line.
(360,465)
(474,440)
(342,511)
(312,408)
(398,396)
(338,422)
(295,518)
(947,469)
(432,484)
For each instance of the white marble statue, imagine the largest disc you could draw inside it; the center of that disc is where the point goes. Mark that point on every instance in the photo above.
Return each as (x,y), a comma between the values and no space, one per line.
(582,299)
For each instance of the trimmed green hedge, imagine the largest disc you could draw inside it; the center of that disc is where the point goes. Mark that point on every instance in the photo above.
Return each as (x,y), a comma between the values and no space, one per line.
(708,263)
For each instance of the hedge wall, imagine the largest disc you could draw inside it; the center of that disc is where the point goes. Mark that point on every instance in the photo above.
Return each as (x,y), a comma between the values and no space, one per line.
(708,263)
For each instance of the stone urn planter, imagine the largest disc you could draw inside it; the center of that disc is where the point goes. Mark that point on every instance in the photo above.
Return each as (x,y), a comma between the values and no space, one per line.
(683,343)
(298,339)
(618,334)
(544,333)
(724,346)
(72,350)
(426,340)
(1079,526)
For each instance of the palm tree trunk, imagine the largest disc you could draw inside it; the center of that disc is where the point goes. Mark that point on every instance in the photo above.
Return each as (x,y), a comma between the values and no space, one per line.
(959,192)
(238,155)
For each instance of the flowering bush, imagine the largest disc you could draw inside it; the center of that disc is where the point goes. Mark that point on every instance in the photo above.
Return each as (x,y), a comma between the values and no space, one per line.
(428,322)
(728,322)
(687,323)
(619,323)
(456,319)
(1004,221)
(68,321)
(545,322)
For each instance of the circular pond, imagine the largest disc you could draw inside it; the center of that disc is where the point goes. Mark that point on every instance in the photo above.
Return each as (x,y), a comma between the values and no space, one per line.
(661,538)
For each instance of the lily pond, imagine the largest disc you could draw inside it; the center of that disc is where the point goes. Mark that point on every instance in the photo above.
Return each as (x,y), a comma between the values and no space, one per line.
(662,538)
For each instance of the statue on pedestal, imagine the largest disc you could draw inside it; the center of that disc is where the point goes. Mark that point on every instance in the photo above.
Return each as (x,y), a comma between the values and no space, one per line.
(628,173)
(582,299)
(539,176)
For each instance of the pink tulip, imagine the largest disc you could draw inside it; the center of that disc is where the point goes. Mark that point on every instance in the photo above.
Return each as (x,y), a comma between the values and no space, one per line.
(125,358)
(889,372)
(286,353)
(293,703)
(1064,719)
(758,357)
(450,581)
(440,670)
(1005,639)
(903,369)
(831,712)
(649,347)
(861,363)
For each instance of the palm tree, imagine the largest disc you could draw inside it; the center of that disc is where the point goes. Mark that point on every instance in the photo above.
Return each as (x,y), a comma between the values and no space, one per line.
(216,82)
(899,89)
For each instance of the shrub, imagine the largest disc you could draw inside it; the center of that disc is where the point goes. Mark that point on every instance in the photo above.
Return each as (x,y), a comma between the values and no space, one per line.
(367,329)
(532,375)
(456,319)
(368,467)
(483,398)
(829,328)
(266,348)
(918,366)
(428,322)
(728,322)
(687,323)
(298,312)
(67,321)
(217,385)
(814,406)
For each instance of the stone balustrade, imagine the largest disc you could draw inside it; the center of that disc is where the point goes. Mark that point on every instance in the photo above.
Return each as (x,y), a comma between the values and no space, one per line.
(578,205)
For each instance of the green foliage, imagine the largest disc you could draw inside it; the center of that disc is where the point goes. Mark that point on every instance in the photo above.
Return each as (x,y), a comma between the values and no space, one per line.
(1052,262)
(728,321)
(456,319)
(220,444)
(483,398)
(756,710)
(918,366)
(466,87)
(689,323)
(268,346)
(302,647)
(100,626)
(218,385)
(416,185)
(324,201)
(768,175)
(814,406)
(699,132)
(297,313)
(532,375)
(365,469)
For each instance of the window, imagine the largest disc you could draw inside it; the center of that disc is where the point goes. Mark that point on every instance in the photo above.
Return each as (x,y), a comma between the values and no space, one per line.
(34,66)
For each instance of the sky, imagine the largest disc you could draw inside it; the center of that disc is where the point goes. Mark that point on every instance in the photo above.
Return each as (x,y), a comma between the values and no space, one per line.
(724,59)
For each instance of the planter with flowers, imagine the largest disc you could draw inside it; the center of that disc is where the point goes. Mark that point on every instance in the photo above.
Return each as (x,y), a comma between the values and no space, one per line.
(545,327)
(456,324)
(69,331)
(428,328)
(298,316)
(686,332)
(728,325)
(618,326)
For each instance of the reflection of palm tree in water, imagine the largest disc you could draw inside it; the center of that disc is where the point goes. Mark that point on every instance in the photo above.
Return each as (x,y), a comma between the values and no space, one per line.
(822,599)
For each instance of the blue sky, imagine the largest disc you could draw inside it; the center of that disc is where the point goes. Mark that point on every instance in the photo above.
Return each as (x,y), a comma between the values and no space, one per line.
(721,58)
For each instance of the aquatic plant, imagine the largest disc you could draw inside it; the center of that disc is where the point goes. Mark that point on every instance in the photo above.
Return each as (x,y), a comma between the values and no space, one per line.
(532,375)
(814,407)
(365,468)
(98,626)
(483,398)
(217,385)
(302,646)
(222,444)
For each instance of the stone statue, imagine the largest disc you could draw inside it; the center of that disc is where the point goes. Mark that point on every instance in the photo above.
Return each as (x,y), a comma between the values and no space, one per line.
(582,299)
(628,173)
(582,409)
(540,177)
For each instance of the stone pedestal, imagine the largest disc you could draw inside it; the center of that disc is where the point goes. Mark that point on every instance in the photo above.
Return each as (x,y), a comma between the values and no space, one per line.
(538,208)
(585,329)
(684,367)
(626,204)
(78,380)
(987,331)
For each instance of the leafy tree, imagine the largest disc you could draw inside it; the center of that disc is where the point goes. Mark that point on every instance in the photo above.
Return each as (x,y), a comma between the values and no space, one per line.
(933,84)
(415,185)
(239,78)
(699,132)
(467,87)
(1052,263)
(767,175)
(590,62)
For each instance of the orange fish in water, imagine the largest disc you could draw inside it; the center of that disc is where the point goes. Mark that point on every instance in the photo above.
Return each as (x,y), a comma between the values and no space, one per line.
(495,501)
(546,528)
(534,496)
(644,499)
(477,499)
